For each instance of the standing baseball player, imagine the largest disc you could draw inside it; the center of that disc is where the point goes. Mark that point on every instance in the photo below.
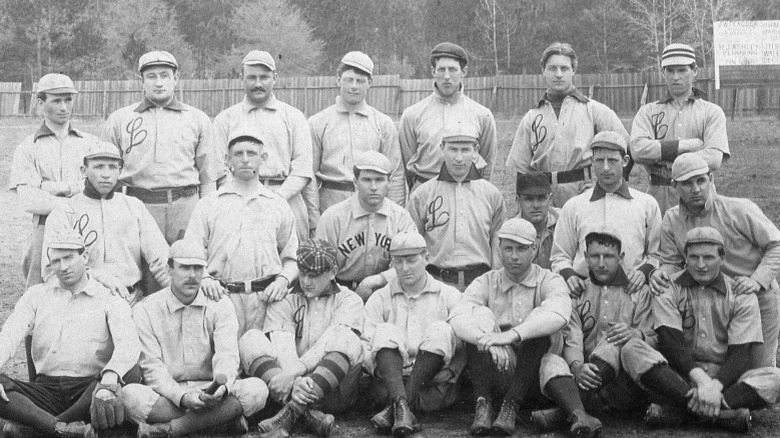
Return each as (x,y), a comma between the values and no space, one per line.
(706,330)
(682,122)
(288,166)
(362,227)
(603,319)
(554,136)
(510,319)
(610,201)
(170,156)
(249,235)
(753,259)
(412,353)
(459,213)
(118,231)
(424,123)
(534,197)
(187,340)
(84,344)
(341,132)
(309,352)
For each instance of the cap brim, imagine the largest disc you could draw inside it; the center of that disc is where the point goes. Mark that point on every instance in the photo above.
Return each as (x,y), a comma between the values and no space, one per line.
(158,64)
(691,174)
(517,239)
(265,64)
(65,246)
(106,156)
(677,60)
(189,261)
(459,139)
(700,241)
(406,251)
(359,67)
(374,168)
(61,90)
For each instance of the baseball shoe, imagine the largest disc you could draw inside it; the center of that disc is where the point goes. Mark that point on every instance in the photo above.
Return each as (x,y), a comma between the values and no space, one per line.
(404,421)
(284,419)
(74,430)
(734,420)
(505,422)
(383,421)
(483,418)
(318,423)
(548,420)
(157,430)
(584,425)
(664,416)
(12,429)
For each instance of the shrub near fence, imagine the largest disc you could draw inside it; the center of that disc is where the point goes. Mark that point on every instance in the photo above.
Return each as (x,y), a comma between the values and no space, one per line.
(506,95)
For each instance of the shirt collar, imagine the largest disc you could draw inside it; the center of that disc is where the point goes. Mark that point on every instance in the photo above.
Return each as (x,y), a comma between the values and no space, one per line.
(174,105)
(271,104)
(552,217)
(453,99)
(444,174)
(361,108)
(574,92)
(91,288)
(174,304)
(687,280)
(92,193)
(359,211)
(695,94)
(431,286)
(530,280)
(44,131)
(599,192)
(332,290)
(620,278)
(229,188)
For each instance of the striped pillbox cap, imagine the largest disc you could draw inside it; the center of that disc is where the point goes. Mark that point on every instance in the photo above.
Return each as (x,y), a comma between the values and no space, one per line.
(678,54)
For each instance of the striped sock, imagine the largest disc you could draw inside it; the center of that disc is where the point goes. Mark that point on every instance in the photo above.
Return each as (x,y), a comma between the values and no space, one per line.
(330,372)
(265,368)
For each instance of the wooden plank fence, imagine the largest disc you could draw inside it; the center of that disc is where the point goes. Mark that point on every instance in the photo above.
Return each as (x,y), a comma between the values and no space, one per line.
(507,96)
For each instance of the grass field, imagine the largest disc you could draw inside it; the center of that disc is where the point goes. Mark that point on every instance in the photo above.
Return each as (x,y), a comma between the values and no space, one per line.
(752,172)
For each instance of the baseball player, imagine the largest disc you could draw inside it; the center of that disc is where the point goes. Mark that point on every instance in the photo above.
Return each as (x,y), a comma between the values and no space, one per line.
(554,136)
(310,354)
(170,156)
(534,197)
(362,227)
(341,132)
(510,319)
(118,231)
(603,319)
(187,340)
(705,333)
(249,234)
(459,213)
(610,201)
(411,352)
(682,122)
(753,259)
(424,123)
(83,342)
(288,166)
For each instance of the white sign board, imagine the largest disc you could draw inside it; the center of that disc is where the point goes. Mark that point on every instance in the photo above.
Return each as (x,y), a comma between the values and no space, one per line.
(745,43)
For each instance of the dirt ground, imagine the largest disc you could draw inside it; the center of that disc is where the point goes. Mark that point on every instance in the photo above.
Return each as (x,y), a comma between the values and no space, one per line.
(751,172)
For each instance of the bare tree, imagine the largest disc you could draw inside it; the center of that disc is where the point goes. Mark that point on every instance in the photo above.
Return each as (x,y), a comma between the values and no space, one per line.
(658,22)
(702,13)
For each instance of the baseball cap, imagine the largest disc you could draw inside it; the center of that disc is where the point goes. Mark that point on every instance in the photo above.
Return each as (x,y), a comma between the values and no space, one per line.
(360,61)
(244,134)
(678,54)
(66,238)
(260,57)
(102,149)
(373,160)
(188,252)
(157,57)
(518,230)
(687,166)
(533,183)
(609,140)
(56,83)
(450,50)
(703,235)
(316,256)
(407,243)
(460,133)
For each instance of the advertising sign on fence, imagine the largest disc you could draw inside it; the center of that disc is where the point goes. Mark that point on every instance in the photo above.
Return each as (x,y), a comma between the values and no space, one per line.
(746,53)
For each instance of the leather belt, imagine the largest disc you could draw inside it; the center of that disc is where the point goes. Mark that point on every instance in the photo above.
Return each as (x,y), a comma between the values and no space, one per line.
(42,219)
(344,186)
(349,284)
(162,196)
(247,287)
(570,176)
(658,180)
(271,181)
(454,275)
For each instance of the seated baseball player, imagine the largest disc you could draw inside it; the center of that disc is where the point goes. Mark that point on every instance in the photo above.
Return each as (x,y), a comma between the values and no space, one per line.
(603,319)
(249,235)
(534,197)
(83,342)
(188,344)
(310,354)
(412,353)
(119,232)
(511,319)
(362,226)
(706,332)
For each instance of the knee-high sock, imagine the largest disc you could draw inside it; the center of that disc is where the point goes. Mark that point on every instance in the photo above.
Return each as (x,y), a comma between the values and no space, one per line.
(194,421)
(740,395)
(665,382)
(79,411)
(426,365)
(606,372)
(265,368)
(564,392)
(389,369)
(529,359)
(330,372)
(22,410)
(482,371)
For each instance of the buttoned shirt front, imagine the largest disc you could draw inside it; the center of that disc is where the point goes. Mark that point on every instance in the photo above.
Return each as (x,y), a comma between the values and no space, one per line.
(78,334)
(544,240)
(185,342)
(362,238)
(165,147)
(245,238)
(711,317)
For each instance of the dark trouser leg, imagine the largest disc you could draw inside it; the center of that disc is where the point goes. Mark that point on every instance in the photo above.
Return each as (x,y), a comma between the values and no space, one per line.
(482,371)
(22,410)
(663,381)
(525,385)
(389,370)
(79,411)
(740,395)
(426,365)
(193,421)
